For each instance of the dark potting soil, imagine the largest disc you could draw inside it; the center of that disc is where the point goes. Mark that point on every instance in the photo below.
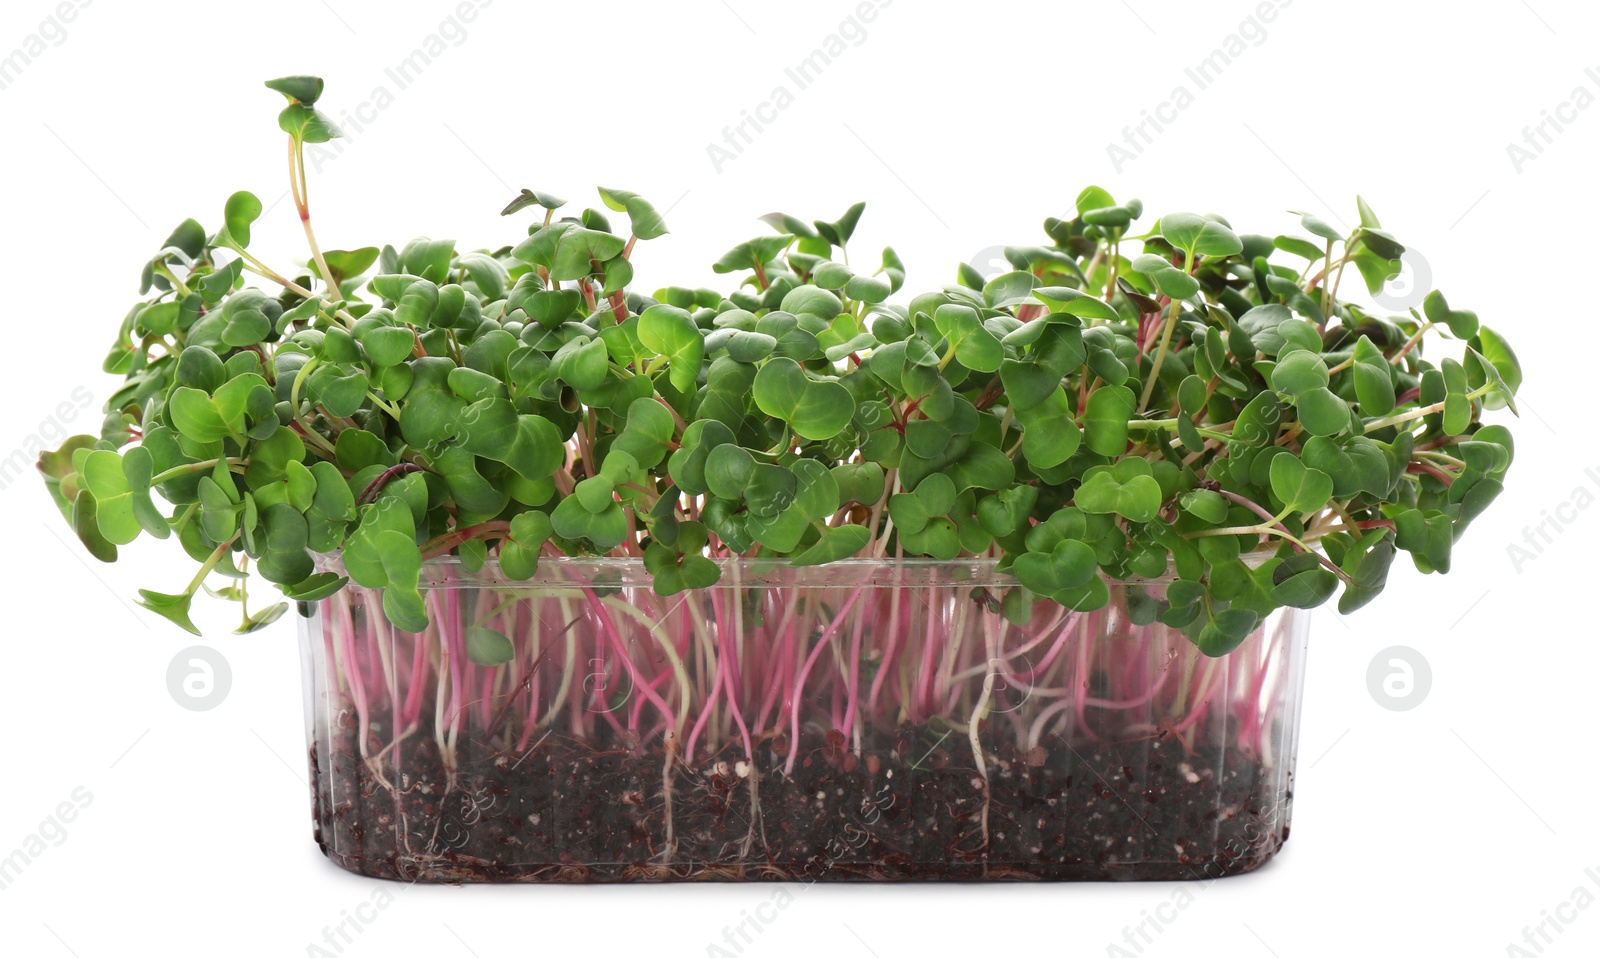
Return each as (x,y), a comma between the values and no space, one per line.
(568,811)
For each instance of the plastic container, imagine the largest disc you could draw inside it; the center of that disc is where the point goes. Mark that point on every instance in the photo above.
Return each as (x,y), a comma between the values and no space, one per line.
(863,720)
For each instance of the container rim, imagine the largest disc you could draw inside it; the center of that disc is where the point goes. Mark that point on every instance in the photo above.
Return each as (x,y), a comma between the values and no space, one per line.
(450,572)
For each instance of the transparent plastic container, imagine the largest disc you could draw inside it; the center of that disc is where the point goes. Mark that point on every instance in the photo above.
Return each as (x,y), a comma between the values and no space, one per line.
(863,720)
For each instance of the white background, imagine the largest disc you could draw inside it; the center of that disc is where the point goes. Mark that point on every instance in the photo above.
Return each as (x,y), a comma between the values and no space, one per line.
(1446,829)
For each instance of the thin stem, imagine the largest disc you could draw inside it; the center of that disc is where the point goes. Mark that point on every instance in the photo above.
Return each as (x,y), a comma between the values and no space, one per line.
(209,564)
(193,467)
(1166,340)
(1412,342)
(1173,424)
(297,167)
(1422,411)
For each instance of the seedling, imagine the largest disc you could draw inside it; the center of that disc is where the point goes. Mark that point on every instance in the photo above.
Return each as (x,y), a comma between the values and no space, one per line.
(1174,431)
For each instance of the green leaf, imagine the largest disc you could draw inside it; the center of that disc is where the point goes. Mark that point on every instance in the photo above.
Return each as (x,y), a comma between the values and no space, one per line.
(1322,412)
(87,526)
(839,231)
(1105,419)
(1374,388)
(646,222)
(528,443)
(173,608)
(832,275)
(1127,489)
(1027,383)
(519,555)
(1306,589)
(388,345)
(1070,564)
(1199,235)
(1493,348)
(315,587)
(262,619)
(402,567)
(270,457)
(601,531)
(306,124)
(784,223)
(138,467)
(346,264)
(861,482)
(837,543)
(103,476)
(1259,420)
(1093,198)
(1226,631)
(211,418)
(1115,217)
(1319,227)
(1381,243)
(1375,268)
(811,301)
(529,198)
(647,435)
(770,491)
(1009,289)
(578,248)
(1300,489)
(416,303)
(1172,281)
(1299,247)
(973,345)
(814,409)
(246,318)
(938,493)
(302,89)
(940,539)
(582,363)
(868,289)
(671,332)
(1457,408)
(241,211)
(756,252)
(728,471)
(910,514)
(1481,372)
(816,493)
(1299,372)
(1050,434)
(1205,505)
(1462,323)
(489,648)
(1369,219)
(1357,465)
(1007,512)
(1075,302)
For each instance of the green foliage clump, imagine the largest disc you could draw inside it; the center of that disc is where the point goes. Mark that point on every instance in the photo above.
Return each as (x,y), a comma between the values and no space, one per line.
(1185,400)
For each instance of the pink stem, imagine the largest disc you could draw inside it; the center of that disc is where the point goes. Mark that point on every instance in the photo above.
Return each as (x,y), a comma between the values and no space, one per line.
(892,645)
(419,674)
(1081,686)
(358,688)
(1055,650)
(633,673)
(855,676)
(733,698)
(924,697)
(805,670)
(781,665)
(705,713)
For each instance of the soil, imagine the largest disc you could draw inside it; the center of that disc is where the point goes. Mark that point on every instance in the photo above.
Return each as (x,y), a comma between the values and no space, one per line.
(908,807)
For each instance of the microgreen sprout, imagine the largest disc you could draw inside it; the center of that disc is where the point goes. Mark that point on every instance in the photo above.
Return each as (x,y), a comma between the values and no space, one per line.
(1184,400)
